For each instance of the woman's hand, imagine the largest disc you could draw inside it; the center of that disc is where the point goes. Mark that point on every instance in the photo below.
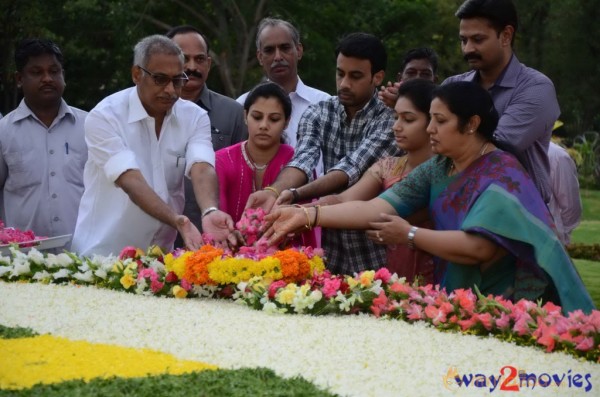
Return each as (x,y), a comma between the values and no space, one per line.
(283,221)
(390,230)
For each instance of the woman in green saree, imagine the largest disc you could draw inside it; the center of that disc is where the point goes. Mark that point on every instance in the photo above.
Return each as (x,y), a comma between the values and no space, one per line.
(492,228)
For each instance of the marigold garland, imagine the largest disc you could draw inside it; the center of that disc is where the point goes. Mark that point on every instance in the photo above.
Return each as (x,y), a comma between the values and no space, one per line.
(196,270)
(294,265)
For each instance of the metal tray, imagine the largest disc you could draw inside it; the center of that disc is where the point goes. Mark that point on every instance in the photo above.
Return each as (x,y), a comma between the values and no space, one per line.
(40,245)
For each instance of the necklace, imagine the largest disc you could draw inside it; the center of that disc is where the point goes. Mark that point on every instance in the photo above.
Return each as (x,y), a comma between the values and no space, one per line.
(249,160)
(481,153)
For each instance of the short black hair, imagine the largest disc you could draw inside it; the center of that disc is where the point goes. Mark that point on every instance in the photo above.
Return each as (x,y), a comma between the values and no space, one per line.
(419,92)
(420,53)
(364,46)
(270,90)
(183,29)
(500,13)
(466,99)
(28,48)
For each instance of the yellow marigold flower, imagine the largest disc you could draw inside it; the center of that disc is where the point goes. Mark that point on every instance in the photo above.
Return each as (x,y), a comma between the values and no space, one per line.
(272,267)
(179,292)
(178,265)
(366,278)
(127,281)
(316,263)
(168,259)
(139,253)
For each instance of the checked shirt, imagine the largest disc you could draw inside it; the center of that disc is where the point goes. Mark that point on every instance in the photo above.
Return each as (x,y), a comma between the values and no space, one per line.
(351,146)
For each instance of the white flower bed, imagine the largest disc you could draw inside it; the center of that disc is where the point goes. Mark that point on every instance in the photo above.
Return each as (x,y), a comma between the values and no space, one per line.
(350,355)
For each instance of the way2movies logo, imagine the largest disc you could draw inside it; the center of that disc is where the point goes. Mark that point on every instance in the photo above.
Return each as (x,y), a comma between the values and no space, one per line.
(510,378)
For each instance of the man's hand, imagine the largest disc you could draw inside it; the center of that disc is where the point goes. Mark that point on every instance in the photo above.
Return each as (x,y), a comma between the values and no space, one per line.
(285,198)
(264,199)
(389,94)
(189,233)
(219,226)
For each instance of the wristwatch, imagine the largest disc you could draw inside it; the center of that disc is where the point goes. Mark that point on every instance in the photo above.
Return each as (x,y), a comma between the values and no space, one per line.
(295,194)
(411,237)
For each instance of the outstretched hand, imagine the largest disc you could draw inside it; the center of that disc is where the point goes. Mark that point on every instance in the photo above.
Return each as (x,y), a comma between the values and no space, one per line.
(219,226)
(264,199)
(189,232)
(391,229)
(283,221)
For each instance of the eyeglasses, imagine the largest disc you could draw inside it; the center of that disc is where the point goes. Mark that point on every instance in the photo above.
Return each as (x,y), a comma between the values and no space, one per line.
(163,80)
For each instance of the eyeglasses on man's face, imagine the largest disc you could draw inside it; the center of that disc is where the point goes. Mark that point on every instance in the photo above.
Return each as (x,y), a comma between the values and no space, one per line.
(162,80)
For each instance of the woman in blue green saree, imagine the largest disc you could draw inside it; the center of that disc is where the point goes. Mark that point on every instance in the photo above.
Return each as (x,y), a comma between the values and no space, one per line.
(492,228)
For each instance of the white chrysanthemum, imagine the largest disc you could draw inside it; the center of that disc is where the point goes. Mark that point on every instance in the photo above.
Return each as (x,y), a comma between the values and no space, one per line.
(4,270)
(62,273)
(87,276)
(41,276)
(101,273)
(20,267)
(36,256)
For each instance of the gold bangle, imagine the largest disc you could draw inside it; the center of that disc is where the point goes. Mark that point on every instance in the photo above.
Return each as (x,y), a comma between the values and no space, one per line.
(317,216)
(272,189)
(308,226)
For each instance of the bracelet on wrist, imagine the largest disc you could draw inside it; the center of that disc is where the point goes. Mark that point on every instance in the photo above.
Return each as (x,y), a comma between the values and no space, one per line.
(272,189)
(411,237)
(208,211)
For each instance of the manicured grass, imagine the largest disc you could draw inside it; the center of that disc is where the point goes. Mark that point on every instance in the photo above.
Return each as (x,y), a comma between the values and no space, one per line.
(590,274)
(588,232)
(234,383)
(12,333)
(591,204)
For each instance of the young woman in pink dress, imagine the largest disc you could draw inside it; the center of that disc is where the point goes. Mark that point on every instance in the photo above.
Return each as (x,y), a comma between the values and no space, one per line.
(254,164)
(410,131)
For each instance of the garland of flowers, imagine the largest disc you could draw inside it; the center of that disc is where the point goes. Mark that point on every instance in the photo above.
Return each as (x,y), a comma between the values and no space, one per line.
(293,280)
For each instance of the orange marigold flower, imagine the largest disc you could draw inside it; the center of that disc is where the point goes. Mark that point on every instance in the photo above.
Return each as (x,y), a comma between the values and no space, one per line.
(295,266)
(196,265)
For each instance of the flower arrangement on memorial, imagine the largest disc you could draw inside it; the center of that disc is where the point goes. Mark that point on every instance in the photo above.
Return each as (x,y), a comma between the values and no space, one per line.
(293,280)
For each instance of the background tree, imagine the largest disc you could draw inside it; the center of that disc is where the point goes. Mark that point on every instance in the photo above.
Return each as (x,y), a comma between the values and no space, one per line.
(558,38)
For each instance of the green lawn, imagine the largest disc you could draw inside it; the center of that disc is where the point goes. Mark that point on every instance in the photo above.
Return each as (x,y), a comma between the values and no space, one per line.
(588,232)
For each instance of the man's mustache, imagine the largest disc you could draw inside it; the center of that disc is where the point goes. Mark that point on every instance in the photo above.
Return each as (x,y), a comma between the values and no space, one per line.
(280,63)
(194,73)
(472,56)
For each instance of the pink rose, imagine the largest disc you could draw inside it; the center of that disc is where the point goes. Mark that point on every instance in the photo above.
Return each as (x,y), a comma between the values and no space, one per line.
(128,252)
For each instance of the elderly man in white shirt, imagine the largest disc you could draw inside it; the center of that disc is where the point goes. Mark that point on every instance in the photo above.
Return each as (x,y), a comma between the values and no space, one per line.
(278,49)
(142,142)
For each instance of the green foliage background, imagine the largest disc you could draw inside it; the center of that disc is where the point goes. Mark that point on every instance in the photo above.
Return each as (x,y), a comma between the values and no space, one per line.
(558,37)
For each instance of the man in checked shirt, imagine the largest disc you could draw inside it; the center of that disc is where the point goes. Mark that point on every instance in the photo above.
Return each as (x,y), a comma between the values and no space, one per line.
(353,130)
